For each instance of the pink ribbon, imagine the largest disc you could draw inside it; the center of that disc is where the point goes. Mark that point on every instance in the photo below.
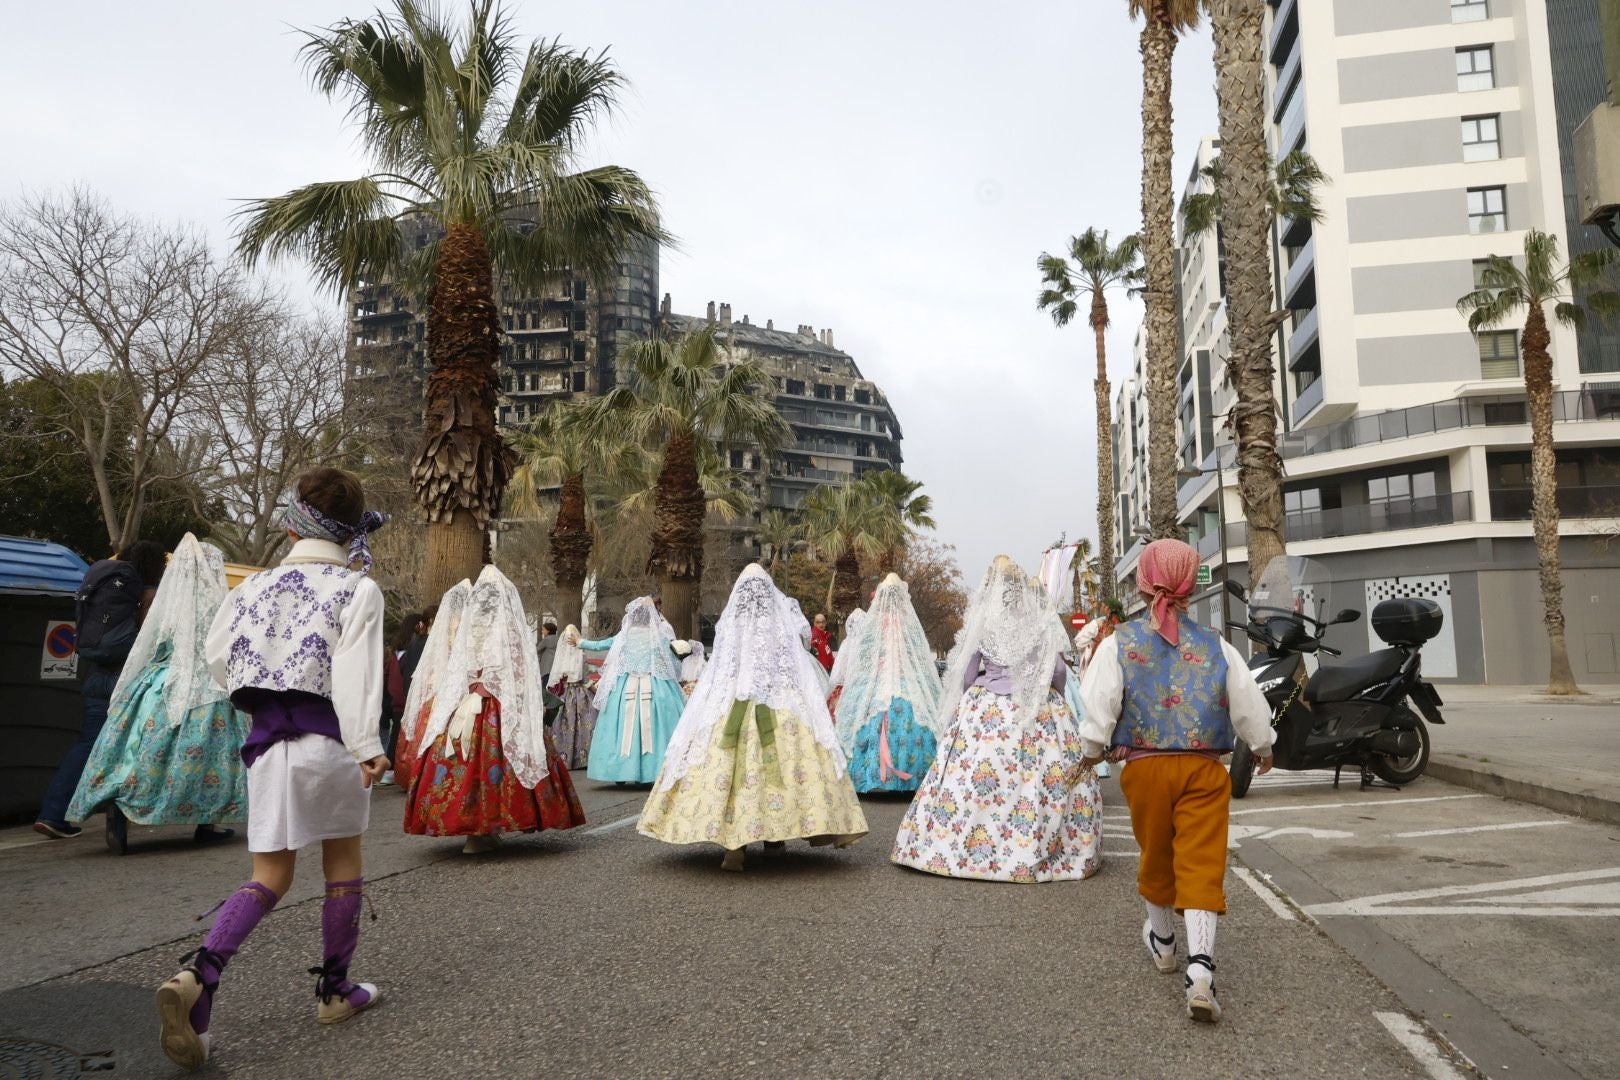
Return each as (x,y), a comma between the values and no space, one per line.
(885,760)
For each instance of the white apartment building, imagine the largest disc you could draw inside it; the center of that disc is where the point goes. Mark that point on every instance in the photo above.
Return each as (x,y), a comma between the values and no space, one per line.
(1439,123)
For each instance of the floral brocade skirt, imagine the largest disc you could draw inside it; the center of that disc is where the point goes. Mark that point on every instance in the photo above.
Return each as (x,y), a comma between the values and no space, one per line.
(1004,804)
(575,723)
(892,751)
(161,774)
(787,789)
(472,792)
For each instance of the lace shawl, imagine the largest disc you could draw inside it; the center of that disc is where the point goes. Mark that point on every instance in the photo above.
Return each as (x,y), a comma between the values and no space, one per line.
(846,652)
(757,657)
(493,647)
(892,659)
(692,666)
(568,663)
(430,669)
(1010,621)
(643,646)
(188,596)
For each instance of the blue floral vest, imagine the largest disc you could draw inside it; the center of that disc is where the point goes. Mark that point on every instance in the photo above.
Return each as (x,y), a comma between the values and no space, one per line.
(1175,697)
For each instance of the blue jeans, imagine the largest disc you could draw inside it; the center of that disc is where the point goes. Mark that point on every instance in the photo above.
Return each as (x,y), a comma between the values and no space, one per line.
(97,690)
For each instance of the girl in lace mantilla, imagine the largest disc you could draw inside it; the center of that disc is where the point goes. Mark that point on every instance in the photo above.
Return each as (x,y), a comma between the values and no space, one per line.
(638,697)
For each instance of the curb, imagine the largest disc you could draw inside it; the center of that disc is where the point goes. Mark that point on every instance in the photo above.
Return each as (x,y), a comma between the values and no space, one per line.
(1593,807)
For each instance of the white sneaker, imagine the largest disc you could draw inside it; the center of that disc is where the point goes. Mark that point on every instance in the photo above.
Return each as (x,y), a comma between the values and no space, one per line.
(387,779)
(1162,950)
(182,1044)
(1202,1004)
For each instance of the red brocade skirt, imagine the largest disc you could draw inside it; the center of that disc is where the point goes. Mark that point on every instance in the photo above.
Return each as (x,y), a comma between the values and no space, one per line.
(477,795)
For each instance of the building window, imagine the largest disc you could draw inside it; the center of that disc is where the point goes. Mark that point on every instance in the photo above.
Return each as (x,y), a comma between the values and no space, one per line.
(1475,68)
(1481,138)
(1469,10)
(736,459)
(1480,266)
(1499,354)
(1402,488)
(1487,210)
(579,381)
(796,387)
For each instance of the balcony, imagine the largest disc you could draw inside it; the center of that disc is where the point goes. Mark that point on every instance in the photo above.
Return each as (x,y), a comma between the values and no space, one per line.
(1291,131)
(1289,84)
(1595,501)
(1299,285)
(1284,29)
(1307,330)
(1594,402)
(1392,516)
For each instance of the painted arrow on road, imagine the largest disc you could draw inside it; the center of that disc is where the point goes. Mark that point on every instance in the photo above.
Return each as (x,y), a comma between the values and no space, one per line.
(1583,893)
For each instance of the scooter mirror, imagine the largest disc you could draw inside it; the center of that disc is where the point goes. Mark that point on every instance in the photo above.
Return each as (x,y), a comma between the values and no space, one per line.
(1346,616)
(1236,589)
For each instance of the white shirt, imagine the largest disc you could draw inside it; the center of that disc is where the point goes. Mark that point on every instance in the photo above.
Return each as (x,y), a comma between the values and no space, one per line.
(354,684)
(1102,697)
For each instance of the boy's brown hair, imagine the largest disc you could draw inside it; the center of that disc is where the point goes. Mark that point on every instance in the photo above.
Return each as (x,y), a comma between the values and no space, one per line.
(333,492)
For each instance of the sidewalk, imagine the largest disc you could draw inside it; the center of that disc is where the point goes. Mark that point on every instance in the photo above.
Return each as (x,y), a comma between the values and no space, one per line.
(1517,742)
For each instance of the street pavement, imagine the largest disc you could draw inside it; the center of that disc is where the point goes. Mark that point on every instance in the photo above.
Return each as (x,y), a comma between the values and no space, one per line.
(601,953)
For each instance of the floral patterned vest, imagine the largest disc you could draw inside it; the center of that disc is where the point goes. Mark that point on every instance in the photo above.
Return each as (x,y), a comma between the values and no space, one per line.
(1175,696)
(285,625)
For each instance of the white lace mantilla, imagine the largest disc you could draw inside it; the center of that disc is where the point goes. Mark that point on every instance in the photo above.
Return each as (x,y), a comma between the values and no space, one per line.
(644,645)
(890,659)
(1011,621)
(430,667)
(846,653)
(188,598)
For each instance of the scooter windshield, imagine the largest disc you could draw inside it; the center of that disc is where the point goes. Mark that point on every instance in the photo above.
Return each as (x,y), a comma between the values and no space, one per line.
(1292,585)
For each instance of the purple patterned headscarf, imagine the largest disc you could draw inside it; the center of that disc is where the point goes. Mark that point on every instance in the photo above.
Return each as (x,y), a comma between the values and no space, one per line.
(311,524)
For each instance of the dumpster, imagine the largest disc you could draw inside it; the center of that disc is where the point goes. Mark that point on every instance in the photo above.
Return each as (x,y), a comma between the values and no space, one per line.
(40,711)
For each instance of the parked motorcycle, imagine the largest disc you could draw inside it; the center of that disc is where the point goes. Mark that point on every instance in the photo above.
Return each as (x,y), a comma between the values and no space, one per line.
(1357,713)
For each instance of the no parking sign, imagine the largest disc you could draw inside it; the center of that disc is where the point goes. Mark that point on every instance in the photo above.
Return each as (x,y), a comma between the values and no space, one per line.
(58,659)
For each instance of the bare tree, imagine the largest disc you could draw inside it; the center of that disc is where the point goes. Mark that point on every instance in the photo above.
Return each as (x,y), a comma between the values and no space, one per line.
(85,291)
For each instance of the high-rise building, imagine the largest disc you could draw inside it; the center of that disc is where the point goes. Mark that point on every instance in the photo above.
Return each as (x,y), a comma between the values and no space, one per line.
(1440,124)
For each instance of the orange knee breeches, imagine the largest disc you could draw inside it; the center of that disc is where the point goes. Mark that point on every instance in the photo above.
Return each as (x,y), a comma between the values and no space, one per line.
(1179,805)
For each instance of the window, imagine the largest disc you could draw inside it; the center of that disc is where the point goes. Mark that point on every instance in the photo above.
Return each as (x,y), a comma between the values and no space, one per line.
(1487,210)
(1480,266)
(1475,69)
(1481,138)
(579,381)
(1469,10)
(1308,501)
(736,459)
(1499,354)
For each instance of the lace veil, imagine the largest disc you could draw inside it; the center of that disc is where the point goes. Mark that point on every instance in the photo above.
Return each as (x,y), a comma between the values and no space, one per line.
(643,646)
(846,653)
(1012,622)
(175,631)
(757,657)
(892,660)
(692,666)
(492,646)
(568,665)
(430,667)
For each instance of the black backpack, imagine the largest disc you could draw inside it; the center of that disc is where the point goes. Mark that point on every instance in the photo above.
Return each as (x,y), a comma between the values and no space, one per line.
(107,611)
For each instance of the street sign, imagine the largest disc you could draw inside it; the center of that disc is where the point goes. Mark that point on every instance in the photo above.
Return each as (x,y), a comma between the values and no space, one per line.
(1206,575)
(1077,621)
(58,659)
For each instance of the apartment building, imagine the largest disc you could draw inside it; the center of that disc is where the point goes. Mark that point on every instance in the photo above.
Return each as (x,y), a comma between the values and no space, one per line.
(1443,125)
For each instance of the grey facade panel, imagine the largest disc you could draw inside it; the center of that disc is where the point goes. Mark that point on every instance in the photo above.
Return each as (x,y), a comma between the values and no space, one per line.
(1372,16)
(1397,75)
(1410,286)
(1414,215)
(1402,146)
(1516,652)
(1417,358)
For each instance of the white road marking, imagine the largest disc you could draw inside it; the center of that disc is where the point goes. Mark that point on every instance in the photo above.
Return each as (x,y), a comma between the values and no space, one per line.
(1290,808)
(1269,898)
(1606,892)
(1412,1035)
(1511,897)
(610,826)
(1480,828)
(1235,833)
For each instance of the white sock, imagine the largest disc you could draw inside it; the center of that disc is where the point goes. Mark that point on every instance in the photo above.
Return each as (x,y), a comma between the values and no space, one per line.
(1200,938)
(1162,919)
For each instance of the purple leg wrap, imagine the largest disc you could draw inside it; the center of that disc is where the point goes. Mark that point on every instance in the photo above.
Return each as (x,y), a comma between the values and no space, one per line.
(340,934)
(237,917)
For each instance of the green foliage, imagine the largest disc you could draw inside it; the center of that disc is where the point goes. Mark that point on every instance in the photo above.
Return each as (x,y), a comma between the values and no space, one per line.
(1292,193)
(1092,268)
(1574,288)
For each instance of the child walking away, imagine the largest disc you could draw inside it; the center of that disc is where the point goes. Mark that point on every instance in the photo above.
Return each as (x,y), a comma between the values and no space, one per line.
(487,762)
(638,697)
(299,649)
(1168,694)
(576,716)
(755,757)
(428,669)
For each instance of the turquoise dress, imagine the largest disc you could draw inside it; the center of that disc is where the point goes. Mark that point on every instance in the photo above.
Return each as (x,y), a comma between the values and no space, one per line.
(162,774)
(891,758)
(631,749)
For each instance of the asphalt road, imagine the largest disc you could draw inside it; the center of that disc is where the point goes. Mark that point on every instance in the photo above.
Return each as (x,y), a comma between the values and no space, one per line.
(600,953)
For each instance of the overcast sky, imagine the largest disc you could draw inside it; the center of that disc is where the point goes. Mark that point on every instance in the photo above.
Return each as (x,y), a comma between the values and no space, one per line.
(890,170)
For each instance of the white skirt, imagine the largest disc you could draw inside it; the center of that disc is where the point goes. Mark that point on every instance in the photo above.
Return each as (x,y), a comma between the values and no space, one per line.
(303,790)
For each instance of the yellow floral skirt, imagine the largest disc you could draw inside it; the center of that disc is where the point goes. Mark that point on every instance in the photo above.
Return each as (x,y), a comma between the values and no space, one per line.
(762,781)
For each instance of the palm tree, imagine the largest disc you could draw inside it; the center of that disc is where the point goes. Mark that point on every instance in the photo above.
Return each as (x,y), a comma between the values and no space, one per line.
(778,534)
(479,135)
(907,511)
(685,401)
(1503,289)
(557,450)
(847,523)
(1090,271)
(1163,22)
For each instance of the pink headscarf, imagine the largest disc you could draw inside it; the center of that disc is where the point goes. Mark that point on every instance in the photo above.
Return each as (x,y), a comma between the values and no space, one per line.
(1165,576)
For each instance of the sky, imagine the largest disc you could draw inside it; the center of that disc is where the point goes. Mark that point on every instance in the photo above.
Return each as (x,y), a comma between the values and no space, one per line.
(888,170)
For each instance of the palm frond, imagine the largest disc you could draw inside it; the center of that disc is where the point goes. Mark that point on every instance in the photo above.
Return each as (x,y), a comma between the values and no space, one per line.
(345,228)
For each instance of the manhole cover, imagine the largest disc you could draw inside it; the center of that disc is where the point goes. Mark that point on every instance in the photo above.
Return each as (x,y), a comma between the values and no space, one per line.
(20,1060)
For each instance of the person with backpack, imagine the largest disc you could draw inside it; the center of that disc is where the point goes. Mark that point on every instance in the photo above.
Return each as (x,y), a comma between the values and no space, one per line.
(108,610)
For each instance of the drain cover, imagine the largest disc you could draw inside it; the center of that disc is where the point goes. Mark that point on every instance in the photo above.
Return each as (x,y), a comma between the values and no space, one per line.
(20,1060)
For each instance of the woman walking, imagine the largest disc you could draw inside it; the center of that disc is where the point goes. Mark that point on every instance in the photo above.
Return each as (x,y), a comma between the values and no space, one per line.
(638,698)
(576,716)
(891,697)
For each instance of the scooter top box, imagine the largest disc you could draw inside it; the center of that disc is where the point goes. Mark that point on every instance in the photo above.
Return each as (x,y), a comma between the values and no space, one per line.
(1407,621)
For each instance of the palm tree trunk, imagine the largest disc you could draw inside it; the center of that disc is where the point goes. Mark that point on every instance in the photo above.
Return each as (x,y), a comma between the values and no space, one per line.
(677,541)
(462,469)
(571,549)
(1245,230)
(1105,453)
(846,585)
(1158,245)
(1544,496)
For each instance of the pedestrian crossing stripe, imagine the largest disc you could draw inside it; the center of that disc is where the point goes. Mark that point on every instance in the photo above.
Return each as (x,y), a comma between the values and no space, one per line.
(1582,893)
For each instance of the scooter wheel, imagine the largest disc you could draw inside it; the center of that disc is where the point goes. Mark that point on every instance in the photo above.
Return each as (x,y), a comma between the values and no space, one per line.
(1242,769)
(1402,771)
